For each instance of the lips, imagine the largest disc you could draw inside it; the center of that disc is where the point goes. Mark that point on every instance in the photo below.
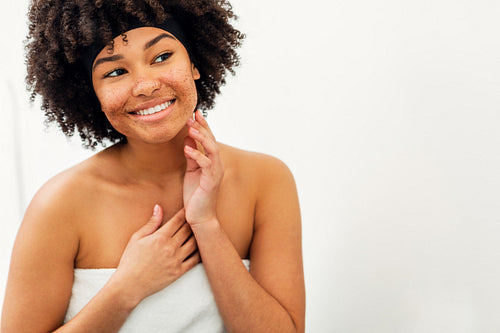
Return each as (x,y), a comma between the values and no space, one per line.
(154,109)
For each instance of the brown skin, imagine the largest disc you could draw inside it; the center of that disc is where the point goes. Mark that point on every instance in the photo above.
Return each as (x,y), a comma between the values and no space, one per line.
(118,207)
(99,214)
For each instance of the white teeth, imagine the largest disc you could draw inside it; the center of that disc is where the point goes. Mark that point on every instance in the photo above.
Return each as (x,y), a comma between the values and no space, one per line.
(155,109)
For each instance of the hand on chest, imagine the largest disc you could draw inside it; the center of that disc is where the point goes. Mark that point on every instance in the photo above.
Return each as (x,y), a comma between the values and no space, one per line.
(114,216)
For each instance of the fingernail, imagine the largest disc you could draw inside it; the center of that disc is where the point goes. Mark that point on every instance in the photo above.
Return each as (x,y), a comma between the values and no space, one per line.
(156,210)
(188,148)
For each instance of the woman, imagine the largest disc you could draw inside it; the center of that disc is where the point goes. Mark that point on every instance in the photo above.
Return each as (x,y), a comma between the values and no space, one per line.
(130,225)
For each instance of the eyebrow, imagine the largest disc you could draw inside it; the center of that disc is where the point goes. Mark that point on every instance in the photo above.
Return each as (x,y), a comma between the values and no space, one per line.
(146,46)
(107,59)
(157,39)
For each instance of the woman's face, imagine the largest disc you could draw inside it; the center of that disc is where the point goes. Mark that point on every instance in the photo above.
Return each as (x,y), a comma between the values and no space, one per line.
(146,85)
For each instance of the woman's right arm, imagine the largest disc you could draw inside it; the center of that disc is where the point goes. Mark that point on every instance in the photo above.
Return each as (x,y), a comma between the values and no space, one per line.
(41,272)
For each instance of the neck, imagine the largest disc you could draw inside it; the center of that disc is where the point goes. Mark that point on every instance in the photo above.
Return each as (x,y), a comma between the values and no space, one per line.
(154,163)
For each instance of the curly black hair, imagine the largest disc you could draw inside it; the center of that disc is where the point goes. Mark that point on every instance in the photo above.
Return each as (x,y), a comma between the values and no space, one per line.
(61,31)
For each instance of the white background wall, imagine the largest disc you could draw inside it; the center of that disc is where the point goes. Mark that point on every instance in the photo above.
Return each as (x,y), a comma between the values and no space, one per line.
(386,111)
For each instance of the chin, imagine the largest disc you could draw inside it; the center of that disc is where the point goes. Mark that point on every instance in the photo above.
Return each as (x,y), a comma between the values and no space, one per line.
(161,137)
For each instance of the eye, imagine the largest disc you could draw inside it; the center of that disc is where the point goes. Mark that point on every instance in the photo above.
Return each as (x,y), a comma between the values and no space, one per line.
(162,57)
(116,72)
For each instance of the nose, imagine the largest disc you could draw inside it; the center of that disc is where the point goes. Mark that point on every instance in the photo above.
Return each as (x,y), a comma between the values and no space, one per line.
(145,86)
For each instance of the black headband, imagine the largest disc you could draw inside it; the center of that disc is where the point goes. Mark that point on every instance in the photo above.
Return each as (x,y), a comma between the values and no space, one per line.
(170,25)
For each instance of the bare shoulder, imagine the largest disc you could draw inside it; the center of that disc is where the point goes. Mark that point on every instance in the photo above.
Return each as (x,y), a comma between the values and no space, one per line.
(47,243)
(270,180)
(257,166)
(64,193)
(53,219)
(276,248)
(55,210)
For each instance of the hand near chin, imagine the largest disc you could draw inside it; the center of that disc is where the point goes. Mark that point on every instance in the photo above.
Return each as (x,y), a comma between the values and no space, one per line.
(204,172)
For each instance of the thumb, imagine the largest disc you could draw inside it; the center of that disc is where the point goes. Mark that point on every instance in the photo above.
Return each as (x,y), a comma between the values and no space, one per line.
(153,223)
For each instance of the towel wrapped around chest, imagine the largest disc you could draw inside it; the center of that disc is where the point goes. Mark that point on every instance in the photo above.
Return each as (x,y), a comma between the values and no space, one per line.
(186,305)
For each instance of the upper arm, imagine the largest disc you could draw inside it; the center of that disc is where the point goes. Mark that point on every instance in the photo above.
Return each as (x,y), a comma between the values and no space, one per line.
(41,268)
(276,249)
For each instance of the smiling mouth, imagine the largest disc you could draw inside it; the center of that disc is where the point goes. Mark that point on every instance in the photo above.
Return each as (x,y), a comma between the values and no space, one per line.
(154,109)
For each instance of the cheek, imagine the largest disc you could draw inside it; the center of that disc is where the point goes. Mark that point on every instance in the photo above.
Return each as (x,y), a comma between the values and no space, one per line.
(181,80)
(111,99)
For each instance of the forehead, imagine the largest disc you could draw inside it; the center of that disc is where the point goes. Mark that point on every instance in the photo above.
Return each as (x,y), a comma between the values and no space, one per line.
(138,37)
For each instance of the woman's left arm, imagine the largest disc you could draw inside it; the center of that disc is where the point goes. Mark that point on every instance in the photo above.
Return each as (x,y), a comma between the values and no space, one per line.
(271,298)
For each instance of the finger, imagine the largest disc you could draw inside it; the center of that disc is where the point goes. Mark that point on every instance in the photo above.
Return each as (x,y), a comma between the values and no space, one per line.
(191,261)
(153,223)
(189,247)
(199,123)
(172,225)
(190,142)
(191,164)
(198,116)
(182,234)
(201,160)
(205,138)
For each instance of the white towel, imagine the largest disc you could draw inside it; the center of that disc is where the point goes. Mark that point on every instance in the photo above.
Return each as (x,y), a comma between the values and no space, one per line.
(187,305)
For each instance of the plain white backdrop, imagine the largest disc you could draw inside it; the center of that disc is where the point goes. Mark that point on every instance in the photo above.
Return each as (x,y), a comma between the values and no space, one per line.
(387,113)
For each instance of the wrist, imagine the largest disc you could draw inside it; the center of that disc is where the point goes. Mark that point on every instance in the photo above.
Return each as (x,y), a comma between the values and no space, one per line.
(209,225)
(125,296)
